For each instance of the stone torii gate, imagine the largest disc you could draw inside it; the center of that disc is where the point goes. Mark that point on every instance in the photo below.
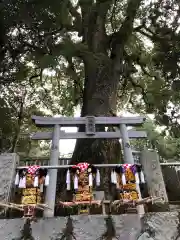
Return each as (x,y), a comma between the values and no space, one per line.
(90,123)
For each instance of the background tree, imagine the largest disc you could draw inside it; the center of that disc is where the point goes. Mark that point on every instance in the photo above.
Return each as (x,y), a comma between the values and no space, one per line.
(19,101)
(159,139)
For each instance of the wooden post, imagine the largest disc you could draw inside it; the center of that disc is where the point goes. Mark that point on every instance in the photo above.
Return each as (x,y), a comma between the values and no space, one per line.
(154,178)
(51,189)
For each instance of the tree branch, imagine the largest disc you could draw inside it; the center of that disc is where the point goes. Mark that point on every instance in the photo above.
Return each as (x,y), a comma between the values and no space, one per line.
(64,48)
(77,24)
(143,92)
(127,26)
(76,82)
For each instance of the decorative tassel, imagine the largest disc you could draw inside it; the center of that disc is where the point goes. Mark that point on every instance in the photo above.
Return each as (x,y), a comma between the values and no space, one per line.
(98,178)
(142,177)
(123,178)
(75,182)
(17,179)
(46,183)
(36,181)
(90,180)
(137,177)
(68,180)
(22,182)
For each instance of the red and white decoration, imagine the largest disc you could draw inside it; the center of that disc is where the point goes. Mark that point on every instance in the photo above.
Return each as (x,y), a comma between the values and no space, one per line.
(136,170)
(32,169)
(20,179)
(81,167)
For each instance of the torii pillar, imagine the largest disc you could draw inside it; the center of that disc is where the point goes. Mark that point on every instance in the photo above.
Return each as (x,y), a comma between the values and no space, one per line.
(128,158)
(54,159)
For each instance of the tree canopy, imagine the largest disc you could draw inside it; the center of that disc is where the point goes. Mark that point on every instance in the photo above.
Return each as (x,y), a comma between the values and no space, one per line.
(102,55)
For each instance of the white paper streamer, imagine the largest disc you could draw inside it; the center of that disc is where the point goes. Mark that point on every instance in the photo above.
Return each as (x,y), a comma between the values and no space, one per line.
(22,182)
(137,177)
(36,181)
(90,180)
(98,178)
(17,179)
(75,182)
(123,177)
(68,180)
(46,180)
(142,177)
(113,177)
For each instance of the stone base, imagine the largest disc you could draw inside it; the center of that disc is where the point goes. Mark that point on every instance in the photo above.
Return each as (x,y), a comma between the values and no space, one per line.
(158,207)
(153,226)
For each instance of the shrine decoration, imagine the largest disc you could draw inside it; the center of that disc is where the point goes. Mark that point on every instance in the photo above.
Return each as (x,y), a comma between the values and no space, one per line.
(31,181)
(126,178)
(83,176)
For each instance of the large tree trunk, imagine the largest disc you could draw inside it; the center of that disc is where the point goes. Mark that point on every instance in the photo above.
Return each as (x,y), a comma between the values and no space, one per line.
(100,96)
(103,66)
(99,99)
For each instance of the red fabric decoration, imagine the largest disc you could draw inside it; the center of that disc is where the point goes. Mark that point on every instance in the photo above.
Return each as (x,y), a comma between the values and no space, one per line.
(126,166)
(82,166)
(33,169)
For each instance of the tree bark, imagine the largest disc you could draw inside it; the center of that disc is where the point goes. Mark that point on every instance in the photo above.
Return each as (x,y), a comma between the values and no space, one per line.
(18,127)
(100,96)
(99,99)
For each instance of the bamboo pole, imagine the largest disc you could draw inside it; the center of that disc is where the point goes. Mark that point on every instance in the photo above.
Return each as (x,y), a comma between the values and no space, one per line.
(137,202)
(43,205)
(38,206)
(70,204)
(116,202)
(32,205)
(68,166)
(10,206)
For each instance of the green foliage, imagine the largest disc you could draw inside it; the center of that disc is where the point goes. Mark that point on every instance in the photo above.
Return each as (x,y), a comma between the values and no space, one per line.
(159,140)
(46,46)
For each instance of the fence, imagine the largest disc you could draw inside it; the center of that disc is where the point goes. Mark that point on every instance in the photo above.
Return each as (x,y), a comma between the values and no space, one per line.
(64,160)
(170,170)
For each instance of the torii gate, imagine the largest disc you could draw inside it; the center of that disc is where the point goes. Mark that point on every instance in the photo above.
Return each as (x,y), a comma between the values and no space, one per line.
(90,123)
